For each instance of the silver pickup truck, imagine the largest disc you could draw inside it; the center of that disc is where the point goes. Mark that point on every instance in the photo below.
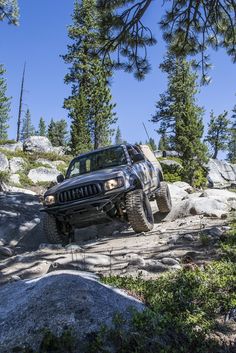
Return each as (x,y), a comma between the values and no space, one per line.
(113,182)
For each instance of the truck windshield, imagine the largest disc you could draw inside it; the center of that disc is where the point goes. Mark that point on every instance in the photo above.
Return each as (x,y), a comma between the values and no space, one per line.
(93,161)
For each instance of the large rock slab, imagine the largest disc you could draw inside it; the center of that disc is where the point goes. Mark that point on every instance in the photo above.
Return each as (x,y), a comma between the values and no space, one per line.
(176,192)
(17,164)
(226,196)
(221,174)
(39,144)
(57,300)
(42,174)
(4,164)
(208,207)
(19,215)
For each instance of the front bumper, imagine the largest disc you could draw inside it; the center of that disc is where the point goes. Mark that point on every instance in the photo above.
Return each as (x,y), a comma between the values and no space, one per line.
(84,212)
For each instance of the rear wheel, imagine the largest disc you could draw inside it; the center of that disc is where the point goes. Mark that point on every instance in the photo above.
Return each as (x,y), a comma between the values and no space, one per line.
(53,229)
(163,198)
(139,211)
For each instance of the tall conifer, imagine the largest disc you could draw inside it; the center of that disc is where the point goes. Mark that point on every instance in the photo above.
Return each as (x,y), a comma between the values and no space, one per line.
(89,104)
(27,126)
(4,106)
(180,117)
(218,133)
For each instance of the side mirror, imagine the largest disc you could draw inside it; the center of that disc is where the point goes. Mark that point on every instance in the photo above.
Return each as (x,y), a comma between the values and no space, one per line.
(60,178)
(138,158)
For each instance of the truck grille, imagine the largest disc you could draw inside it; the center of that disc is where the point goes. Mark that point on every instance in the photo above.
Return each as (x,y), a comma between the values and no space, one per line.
(79,193)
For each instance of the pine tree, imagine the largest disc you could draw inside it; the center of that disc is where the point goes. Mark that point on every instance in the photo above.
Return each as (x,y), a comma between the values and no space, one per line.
(152,144)
(232,139)
(27,126)
(189,27)
(118,137)
(9,10)
(89,105)
(180,118)
(218,133)
(4,106)
(164,143)
(42,129)
(57,132)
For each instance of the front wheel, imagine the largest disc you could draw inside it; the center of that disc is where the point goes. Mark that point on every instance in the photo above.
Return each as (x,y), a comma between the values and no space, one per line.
(139,211)
(53,230)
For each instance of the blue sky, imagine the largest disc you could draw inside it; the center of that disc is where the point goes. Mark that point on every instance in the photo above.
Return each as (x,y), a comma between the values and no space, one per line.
(42,37)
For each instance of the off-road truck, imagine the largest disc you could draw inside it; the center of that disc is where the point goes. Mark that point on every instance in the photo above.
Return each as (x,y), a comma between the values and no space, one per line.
(113,182)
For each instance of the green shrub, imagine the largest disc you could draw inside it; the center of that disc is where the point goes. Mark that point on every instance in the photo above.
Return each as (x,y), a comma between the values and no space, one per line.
(172,173)
(50,343)
(228,245)
(182,312)
(200,179)
(7,142)
(4,176)
(25,180)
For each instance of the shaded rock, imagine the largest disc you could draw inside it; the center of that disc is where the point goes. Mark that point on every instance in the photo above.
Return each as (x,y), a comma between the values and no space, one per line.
(39,144)
(17,164)
(215,232)
(155,266)
(43,174)
(46,246)
(13,147)
(169,261)
(135,260)
(4,164)
(4,250)
(74,300)
(188,237)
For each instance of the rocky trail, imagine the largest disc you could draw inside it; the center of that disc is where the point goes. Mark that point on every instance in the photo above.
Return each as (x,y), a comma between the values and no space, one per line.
(187,236)
(50,287)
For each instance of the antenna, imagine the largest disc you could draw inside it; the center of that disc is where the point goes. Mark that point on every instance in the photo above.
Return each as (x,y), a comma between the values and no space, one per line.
(146,132)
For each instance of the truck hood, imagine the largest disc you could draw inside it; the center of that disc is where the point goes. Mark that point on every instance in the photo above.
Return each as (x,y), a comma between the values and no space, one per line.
(99,175)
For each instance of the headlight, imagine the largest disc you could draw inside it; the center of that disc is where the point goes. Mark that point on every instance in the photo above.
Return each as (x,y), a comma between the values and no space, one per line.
(49,200)
(113,183)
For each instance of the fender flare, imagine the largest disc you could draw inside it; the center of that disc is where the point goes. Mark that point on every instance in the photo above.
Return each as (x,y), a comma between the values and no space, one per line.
(135,182)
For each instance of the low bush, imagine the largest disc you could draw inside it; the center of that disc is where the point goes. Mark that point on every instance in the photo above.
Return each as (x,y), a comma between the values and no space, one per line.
(182,313)
(4,176)
(7,142)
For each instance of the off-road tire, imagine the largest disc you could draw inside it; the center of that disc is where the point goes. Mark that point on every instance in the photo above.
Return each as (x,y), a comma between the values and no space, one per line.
(163,198)
(139,211)
(51,229)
